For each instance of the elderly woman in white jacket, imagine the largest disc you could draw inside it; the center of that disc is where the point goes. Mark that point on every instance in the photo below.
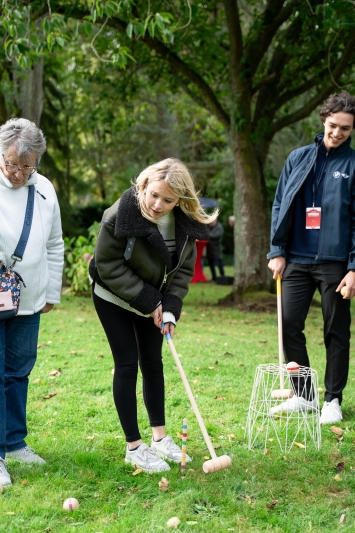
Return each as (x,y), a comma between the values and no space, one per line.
(21,146)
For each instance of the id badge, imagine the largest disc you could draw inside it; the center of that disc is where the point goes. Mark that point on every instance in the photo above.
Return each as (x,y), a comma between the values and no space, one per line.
(313,217)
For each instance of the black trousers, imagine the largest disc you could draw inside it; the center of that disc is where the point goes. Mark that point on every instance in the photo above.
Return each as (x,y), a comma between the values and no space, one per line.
(299,283)
(134,340)
(213,263)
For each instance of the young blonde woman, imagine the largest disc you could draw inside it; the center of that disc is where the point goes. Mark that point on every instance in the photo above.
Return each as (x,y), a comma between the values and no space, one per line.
(144,259)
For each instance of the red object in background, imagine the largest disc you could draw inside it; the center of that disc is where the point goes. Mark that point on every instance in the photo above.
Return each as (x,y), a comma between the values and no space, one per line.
(198,274)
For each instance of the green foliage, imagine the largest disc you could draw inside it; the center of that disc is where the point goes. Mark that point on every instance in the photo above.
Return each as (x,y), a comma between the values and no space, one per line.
(193,40)
(105,129)
(78,252)
(31,30)
(86,215)
(108,62)
(26,38)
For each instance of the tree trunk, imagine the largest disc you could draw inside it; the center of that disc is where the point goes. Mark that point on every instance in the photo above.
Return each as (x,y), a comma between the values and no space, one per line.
(100,178)
(31,98)
(252,221)
(167,145)
(3,109)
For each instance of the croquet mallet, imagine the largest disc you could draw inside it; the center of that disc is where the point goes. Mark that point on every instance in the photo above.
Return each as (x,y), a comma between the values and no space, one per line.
(216,463)
(280,393)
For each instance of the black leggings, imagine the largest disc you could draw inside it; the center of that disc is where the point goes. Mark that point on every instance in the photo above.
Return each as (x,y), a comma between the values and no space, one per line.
(134,339)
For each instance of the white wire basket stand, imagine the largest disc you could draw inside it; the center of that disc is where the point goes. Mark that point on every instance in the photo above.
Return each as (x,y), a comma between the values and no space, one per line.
(287,429)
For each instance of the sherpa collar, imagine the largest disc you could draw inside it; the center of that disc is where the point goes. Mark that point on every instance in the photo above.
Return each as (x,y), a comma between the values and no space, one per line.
(131,223)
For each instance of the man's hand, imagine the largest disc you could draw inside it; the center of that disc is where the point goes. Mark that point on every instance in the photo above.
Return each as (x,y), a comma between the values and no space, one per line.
(277,265)
(348,282)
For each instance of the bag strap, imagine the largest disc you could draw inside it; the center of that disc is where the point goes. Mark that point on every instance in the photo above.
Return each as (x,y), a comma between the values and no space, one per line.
(22,243)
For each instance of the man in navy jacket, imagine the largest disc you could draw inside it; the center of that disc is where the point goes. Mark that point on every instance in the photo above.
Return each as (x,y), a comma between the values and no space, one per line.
(313,247)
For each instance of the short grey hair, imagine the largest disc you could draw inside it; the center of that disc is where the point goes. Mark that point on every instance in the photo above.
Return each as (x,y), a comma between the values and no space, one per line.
(24,136)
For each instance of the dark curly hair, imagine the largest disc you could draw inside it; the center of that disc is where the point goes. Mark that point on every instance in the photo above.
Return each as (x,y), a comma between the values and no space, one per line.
(342,101)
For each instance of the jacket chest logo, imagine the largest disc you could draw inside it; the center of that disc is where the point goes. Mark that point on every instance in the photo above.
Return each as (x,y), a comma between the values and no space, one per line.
(337,174)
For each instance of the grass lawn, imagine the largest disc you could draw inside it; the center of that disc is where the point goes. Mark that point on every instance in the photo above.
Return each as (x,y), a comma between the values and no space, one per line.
(73,424)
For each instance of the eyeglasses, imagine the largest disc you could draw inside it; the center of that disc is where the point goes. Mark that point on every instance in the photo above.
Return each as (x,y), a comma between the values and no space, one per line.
(13,169)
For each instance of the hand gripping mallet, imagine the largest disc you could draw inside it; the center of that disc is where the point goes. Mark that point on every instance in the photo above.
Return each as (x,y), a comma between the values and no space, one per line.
(216,463)
(280,393)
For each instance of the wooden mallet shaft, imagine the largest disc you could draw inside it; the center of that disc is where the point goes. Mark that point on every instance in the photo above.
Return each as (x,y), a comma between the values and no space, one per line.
(216,463)
(281,393)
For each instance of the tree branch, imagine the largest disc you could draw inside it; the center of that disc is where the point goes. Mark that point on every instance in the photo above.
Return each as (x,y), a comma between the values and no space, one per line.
(304,111)
(178,65)
(265,81)
(345,57)
(262,32)
(286,81)
(174,61)
(235,41)
(322,94)
(287,96)
(280,57)
(272,95)
(187,89)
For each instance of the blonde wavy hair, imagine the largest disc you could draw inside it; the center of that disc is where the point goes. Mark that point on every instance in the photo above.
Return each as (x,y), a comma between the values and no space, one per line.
(177,177)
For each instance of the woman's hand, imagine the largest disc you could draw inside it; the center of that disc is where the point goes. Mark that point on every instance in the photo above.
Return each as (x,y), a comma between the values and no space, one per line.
(47,308)
(157,316)
(168,328)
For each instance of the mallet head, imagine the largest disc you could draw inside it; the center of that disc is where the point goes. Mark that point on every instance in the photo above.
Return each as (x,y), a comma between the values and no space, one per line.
(219,463)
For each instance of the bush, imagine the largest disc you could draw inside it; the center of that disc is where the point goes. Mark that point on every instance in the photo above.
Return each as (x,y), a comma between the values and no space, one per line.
(78,253)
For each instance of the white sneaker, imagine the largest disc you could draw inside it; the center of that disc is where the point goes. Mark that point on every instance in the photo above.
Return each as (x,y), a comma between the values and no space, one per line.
(167,449)
(294,405)
(25,455)
(331,412)
(146,459)
(5,479)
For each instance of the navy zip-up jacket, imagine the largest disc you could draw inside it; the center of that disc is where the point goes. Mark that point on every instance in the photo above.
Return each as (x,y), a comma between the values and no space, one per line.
(337,232)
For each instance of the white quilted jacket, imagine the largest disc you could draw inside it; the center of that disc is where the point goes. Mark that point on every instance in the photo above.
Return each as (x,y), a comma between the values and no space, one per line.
(42,265)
